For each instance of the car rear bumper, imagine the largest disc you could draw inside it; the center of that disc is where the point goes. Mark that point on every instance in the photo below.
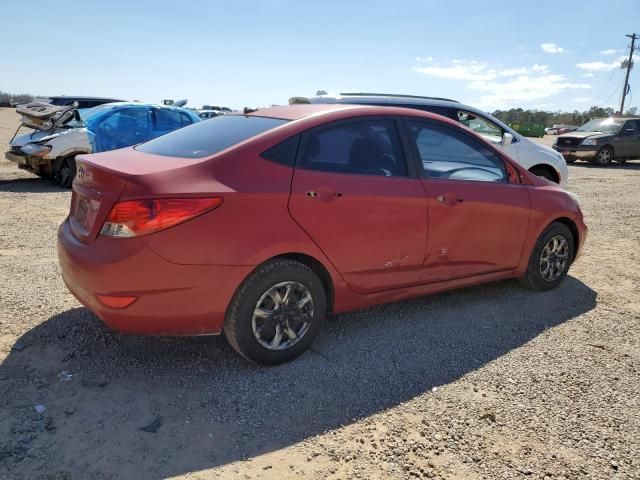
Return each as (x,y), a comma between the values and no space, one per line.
(577,152)
(172,299)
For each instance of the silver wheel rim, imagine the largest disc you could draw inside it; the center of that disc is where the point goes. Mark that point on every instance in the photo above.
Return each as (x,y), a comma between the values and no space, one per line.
(282,316)
(605,156)
(554,257)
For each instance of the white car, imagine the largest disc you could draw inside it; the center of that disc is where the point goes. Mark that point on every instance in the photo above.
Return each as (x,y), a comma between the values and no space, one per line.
(539,159)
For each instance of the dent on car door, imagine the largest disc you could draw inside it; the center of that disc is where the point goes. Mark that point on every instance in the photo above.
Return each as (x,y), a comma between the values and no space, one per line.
(352,194)
(478,216)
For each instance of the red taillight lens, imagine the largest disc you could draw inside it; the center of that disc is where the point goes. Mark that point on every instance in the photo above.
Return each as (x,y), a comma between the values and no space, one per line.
(140,217)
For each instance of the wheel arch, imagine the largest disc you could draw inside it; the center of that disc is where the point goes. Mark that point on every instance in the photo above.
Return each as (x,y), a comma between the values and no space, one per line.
(545,166)
(318,268)
(571,225)
(309,261)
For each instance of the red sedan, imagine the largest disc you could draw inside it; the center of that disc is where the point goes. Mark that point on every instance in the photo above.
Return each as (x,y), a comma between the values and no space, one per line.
(259,224)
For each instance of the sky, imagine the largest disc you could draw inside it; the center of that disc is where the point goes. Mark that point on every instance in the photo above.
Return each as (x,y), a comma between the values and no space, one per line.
(547,55)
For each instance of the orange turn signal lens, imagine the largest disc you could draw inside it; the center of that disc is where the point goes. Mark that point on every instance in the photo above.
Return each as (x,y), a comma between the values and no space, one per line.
(116,301)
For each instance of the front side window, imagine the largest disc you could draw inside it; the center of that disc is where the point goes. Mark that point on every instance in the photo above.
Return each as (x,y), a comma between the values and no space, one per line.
(480,125)
(631,127)
(365,147)
(446,153)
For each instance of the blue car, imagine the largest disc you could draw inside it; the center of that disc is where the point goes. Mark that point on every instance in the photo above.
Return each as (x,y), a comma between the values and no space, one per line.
(51,152)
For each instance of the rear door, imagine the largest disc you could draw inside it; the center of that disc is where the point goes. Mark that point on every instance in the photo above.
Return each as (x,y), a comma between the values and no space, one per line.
(354,195)
(477,219)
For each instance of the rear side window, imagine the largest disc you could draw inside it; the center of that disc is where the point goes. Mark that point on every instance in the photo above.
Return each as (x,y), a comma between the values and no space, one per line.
(284,152)
(207,138)
(167,119)
(365,147)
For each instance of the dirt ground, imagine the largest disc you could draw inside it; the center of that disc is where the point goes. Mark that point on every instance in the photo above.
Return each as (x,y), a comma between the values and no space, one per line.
(488,382)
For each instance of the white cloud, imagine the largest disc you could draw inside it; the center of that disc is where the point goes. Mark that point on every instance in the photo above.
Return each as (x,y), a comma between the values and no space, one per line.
(523,89)
(472,70)
(582,99)
(609,51)
(588,75)
(424,59)
(598,66)
(500,87)
(551,48)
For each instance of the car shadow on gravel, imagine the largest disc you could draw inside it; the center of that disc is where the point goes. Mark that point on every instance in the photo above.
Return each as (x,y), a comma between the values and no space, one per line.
(628,165)
(150,407)
(30,185)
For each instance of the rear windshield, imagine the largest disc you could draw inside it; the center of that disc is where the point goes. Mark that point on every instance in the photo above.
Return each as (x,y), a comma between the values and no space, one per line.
(210,137)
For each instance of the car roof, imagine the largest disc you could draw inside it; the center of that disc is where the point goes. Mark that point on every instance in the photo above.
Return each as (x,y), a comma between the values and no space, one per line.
(377,97)
(317,114)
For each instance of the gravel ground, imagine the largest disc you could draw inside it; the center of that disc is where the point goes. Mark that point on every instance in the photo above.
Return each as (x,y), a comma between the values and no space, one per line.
(488,382)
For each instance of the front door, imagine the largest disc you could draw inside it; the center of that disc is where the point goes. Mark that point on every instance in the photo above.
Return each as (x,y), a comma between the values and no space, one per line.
(628,140)
(477,219)
(352,194)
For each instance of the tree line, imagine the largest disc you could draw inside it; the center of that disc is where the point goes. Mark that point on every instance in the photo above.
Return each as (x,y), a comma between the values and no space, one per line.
(521,116)
(12,98)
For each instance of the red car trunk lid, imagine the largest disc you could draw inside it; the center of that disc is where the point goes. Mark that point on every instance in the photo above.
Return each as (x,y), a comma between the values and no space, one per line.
(105,178)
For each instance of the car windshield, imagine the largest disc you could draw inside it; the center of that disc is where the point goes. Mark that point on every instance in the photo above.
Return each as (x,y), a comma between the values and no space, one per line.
(210,137)
(605,125)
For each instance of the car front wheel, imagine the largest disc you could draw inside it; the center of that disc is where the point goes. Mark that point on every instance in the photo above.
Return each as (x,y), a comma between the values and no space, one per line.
(276,313)
(604,156)
(550,259)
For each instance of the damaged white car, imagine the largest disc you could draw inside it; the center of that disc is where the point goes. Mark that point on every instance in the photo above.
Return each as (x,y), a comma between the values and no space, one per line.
(61,133)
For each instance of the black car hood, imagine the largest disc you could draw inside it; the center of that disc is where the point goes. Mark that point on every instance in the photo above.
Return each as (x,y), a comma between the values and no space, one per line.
(585,135)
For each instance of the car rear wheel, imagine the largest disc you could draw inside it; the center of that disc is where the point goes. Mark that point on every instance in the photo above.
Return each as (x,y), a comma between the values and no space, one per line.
(550,259)
(604,156)
(276,313)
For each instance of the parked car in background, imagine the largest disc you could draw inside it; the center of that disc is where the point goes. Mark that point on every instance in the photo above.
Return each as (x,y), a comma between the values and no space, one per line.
(51,152)
(255,224)
(83,102)
(206,114)
(538,159)
(601,141)
(560,129)
(216,108)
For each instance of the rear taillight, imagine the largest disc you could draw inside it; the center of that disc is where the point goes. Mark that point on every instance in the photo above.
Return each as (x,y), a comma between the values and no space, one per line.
(140,217)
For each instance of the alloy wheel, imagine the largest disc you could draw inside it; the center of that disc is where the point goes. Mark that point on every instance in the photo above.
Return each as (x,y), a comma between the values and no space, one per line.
(554,258)
(282,315)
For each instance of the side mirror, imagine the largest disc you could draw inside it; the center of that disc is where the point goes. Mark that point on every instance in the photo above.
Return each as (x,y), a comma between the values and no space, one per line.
(507,138)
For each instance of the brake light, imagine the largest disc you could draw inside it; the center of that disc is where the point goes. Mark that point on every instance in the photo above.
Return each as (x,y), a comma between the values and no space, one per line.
(140,217)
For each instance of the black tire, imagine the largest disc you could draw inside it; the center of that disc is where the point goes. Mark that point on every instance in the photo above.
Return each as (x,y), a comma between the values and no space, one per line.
(533,278)
(67,172)
(238,325)
(570,159)
(604,156)
(544,173)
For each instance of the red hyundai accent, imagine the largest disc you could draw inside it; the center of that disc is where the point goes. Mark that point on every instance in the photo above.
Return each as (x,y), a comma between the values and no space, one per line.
(259,224)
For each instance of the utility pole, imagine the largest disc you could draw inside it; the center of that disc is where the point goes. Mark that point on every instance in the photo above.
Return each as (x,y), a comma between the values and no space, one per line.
(633,38)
